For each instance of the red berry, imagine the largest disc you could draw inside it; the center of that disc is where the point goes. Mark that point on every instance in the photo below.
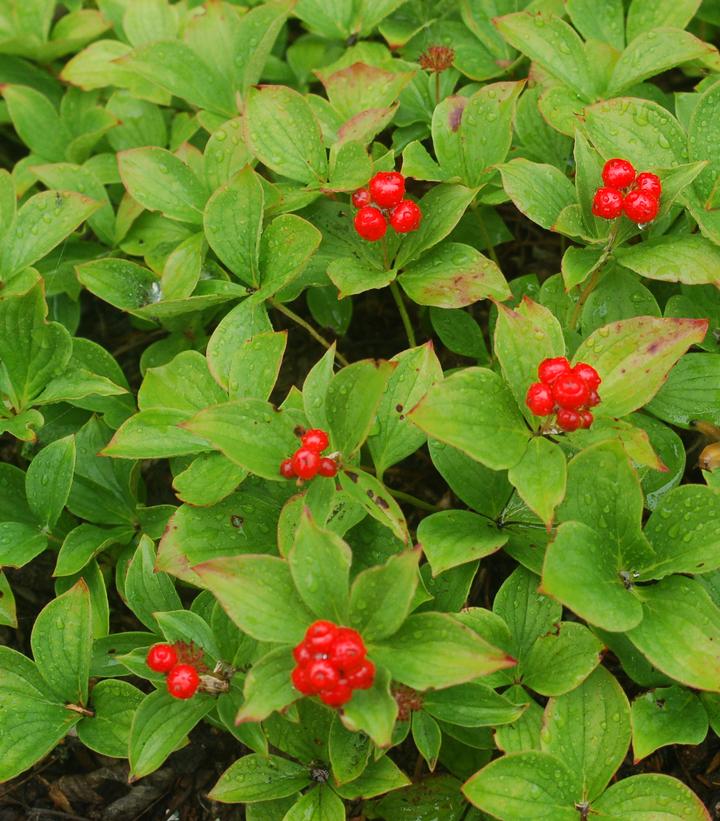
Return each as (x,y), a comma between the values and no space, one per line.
(286,469)
(618,173)
(588,374)
(305,463)
(405,217)
(363,677)
(347,651)
(607,203)
(361,197)
(301,681)
(649,183)
(539,399)
(315,439)
(568,420)
(570,391)
(320,635)
(550,369)
(337,696)
(593,399)
(328,467)
(161,658)
(183,681)
(322,674)
(586,419)
(370,223)
(302,653)
(387,188)
(641,207)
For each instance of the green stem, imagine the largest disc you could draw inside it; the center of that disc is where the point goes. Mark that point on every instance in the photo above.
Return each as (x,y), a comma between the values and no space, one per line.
(591,284)
(487,240)
(298,320)
(397,296)
(413,500)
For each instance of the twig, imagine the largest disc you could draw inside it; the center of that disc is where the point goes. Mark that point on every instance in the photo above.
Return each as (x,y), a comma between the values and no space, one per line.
(298,320)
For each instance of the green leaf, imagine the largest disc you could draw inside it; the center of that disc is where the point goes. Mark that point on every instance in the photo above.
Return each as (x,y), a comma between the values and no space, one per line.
(540,477)
(589,729)
(690,259)
(159,726)
(183,384)
(692,391)
(286,247)
(122,283)
(634,356)
(360,87)
(379,777)
(435,650)
(282,132)
(259,778)
(154,433)
(525,785)
(368,492)
(452,276)
(373,712)
(645,15)
(471,705)
(146,591)
(639,797)
(523,734)
(268,686)
(474,411)
(605,23)
(352,276)
(242,323)
(256,365)
(382,595)
(702,143)
(37,122)
(619,295)
(669,715)
(561,660)
(540,191)
(161,181)
(113,703)
(454,537)
(8,612)
(582,570)
(258,594)
(320,803)
(427,737)
(62,644)
(208,479)
(48,480)
(348,751)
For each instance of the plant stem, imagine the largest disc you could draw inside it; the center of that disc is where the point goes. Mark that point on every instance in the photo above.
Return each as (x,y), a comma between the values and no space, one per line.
(397,296)
(437,88)
(490,248)
(413,500)
(298,320)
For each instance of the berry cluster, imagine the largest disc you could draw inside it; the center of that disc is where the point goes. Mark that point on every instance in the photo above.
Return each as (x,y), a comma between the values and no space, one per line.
(566,391)
(641,204)
(386,190)
(331,663)
(308,461)
(181,663)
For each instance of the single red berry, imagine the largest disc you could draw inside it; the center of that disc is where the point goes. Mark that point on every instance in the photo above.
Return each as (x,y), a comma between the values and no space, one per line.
(347,651)
(361,197)
(570,391)
(550,369)
(301,681)
(337,696)
(328,467)
(568,420)
(618,173)
(586,419)
(315,439)
(641,207)
(305,463)
(302,653)
(588,374)
(405,216)
(370,223)
(649,183)
(593,399)
(539,399)
(387,188)
(286,469)
(607,203)
(161,658)
(320,635)
(322,674)
(362,678)
(182,681)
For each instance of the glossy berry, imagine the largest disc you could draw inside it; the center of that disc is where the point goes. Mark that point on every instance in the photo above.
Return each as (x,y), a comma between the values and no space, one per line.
(405,216)
(363,676)
(183,681)
(361,197)
(586,419)
(570,392)
(370,223)
(340,694)
(328,467)
(305,463)
(302,653)
(539,399)
(315,439)
(568,420)
(301,681)
(161,658)
(387,188)
(641,207)
(286,469)
(607,203)
(588,374)
(322,674)
(550,369)
(649,183)
(593,399)
(618,173)
(320,635)
(347,651)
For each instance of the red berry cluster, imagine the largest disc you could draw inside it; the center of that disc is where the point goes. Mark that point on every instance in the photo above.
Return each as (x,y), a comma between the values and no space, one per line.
(566,391)
(331,663)
(641,204)
(180,662)
(386,190)
(308,461)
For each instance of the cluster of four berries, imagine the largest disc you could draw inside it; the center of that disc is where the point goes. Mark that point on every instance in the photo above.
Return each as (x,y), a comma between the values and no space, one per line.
(387,191)
(641,204)
(308,461)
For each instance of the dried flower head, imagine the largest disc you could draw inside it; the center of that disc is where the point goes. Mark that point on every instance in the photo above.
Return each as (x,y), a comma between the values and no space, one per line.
(437,58)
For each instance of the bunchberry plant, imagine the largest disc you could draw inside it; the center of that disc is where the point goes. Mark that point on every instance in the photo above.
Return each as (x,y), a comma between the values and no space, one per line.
(360,409)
